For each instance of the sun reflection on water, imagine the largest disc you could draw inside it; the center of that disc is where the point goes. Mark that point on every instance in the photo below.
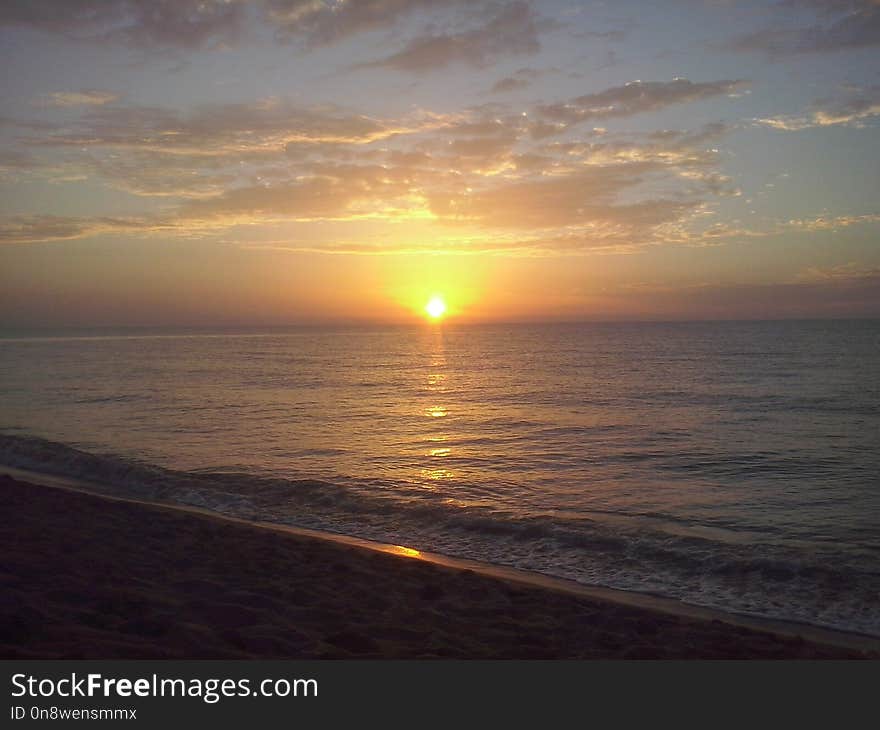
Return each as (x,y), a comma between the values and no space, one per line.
(435,380)
(437,474)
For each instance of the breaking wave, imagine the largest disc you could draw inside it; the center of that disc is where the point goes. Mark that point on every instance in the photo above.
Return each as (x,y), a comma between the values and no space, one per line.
(817,584)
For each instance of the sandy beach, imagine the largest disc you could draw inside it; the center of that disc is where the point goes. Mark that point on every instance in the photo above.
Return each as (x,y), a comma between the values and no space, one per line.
(88,577)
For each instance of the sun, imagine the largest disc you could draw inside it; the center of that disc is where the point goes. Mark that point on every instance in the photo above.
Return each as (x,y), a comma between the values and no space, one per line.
(435,307)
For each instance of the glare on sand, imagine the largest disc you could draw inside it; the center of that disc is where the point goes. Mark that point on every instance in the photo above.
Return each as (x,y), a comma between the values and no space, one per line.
(405,551)
(435,307)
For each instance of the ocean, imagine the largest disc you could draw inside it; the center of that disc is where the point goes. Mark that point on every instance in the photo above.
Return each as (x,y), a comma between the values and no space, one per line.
(734,465)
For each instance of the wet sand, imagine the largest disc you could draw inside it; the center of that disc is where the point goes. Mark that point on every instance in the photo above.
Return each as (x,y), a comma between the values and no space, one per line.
(84,576)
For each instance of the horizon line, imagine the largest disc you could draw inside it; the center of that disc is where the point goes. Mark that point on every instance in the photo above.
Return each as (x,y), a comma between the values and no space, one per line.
(15,331)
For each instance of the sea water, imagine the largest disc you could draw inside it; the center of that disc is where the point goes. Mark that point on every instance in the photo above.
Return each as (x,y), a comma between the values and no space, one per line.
(733,465)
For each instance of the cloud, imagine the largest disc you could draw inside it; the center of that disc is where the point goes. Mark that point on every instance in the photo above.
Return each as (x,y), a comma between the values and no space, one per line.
(43,228)
(786,123)
(717,300)
(581,198)
(219,128)
(15,160)
(509,83)
(513,30)
(486,120)
(89,97)
(850,112)
(216,147)
(480,170)
(149,173)
(326,192)
(482,147)
(601,239)
(160,151)
(839,25)
(608,229)
(668,147)
(193,24)
(32,229)
(163,23)
(832,223)
(719,232)
(329,192)
(321,23)
(636,97)
(844,274)
(480,180)
(34,125)
(521,79)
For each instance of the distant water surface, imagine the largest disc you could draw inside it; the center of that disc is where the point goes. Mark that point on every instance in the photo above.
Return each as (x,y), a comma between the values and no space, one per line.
(734,465)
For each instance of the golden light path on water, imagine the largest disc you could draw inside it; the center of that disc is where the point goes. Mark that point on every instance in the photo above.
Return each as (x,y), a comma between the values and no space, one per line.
(435,385)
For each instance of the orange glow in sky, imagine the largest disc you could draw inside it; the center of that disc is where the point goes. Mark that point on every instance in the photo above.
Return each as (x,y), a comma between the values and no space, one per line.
(320,193)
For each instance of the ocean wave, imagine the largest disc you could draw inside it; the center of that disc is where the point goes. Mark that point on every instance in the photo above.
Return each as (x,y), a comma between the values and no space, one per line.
(822,585)
(95,400)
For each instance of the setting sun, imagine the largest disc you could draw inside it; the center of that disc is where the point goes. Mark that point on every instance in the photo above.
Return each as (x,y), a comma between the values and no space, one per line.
(435,308)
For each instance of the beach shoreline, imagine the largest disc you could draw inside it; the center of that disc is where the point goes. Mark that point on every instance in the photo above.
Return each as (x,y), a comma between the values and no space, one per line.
(173,592)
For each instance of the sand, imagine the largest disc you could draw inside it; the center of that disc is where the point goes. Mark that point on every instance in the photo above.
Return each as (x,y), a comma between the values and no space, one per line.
(87,577)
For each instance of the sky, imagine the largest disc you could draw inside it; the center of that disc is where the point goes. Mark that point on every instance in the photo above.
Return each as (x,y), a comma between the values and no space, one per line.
(273,162)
